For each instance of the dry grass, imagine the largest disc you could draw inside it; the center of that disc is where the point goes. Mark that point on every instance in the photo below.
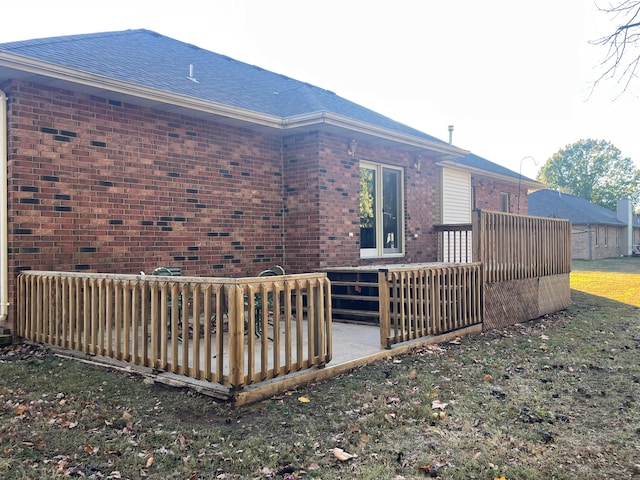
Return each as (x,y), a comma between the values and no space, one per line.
(617,279)
(556,398)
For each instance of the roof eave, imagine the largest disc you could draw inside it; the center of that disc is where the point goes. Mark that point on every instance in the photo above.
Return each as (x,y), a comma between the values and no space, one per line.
(524,182)
(100,82)
(356,126)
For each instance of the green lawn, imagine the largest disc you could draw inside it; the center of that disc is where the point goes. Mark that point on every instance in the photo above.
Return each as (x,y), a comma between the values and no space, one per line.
(616,279)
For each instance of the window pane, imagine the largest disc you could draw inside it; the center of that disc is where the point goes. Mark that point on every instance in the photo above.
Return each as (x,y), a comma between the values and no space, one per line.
(504,202)
(367,208)
(392,236)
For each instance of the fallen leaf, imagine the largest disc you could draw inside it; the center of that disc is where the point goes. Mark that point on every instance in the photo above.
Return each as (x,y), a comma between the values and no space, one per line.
(438,404)
(149,462)
(342,455)
(413,374)
(303,400)
(20,409)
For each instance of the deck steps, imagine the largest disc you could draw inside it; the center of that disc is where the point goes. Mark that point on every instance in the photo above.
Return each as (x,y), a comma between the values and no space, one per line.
(5,337)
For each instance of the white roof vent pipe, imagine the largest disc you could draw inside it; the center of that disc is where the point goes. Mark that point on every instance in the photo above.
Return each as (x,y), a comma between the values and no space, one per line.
(191,77)
(450,134)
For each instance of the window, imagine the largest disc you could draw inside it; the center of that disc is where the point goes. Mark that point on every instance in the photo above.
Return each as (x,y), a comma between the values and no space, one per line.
(474,205)
(504,202)
(381,210)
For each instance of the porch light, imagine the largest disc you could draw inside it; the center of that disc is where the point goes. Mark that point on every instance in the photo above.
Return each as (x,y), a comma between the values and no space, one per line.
(353,146)
(417,163)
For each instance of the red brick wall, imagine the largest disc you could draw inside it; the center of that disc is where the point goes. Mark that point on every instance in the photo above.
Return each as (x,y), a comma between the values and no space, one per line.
(584,246)
(488,195)
(302,202)
(322,202)
(100,186)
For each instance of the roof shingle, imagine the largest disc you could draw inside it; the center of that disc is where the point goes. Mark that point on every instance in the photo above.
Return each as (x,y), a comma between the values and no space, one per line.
(554,204)
(145,58)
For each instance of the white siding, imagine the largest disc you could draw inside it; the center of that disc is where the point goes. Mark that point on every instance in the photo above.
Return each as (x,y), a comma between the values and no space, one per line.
(456,196)
(456,208)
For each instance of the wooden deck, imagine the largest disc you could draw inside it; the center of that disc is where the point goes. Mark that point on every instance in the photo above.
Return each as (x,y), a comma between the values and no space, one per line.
(354,345)
(327,322)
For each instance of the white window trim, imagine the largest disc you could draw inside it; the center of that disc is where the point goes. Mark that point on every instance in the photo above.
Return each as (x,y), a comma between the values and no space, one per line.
(378,252)
(505,200)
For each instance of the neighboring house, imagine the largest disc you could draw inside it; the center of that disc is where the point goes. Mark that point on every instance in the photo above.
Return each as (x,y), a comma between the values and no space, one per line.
(124,151)
(597,232)
(635,241)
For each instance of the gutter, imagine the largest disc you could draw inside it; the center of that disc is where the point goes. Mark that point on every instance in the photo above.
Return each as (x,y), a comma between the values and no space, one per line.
(333,119)
(533,184)
(4,235)
(106,84)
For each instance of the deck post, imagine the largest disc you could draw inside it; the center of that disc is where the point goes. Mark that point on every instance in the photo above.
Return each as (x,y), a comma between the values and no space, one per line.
(479,255)
(383,308)
(236,337)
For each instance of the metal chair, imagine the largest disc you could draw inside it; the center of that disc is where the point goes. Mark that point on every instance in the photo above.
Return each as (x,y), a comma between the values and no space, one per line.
(171,272)
(274,271)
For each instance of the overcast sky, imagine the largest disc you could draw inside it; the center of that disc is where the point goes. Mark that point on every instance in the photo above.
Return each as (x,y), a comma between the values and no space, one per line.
(514,77)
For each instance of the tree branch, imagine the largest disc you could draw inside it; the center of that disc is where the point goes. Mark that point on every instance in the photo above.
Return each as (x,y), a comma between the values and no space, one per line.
(624,38)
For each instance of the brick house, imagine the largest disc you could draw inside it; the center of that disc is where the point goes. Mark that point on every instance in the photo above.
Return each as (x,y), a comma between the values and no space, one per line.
(596,231)
(124,151)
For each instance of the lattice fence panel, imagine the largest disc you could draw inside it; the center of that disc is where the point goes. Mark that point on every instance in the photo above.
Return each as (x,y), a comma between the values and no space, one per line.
(554,294)
(510,302)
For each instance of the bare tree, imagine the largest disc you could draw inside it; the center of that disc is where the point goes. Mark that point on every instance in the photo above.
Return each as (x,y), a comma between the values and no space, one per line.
(623,45)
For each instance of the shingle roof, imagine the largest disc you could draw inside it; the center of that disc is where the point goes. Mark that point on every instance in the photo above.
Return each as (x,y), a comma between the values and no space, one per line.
(145,58)
(472,160)
(554,204)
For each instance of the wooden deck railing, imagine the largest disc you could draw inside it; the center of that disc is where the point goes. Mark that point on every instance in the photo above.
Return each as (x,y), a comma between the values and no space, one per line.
(455,243)
(428,300)
(512,247)
(232,332)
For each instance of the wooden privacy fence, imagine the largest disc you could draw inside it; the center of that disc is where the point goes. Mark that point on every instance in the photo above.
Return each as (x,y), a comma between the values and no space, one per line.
(526,262)
(230,332)
(513,247)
